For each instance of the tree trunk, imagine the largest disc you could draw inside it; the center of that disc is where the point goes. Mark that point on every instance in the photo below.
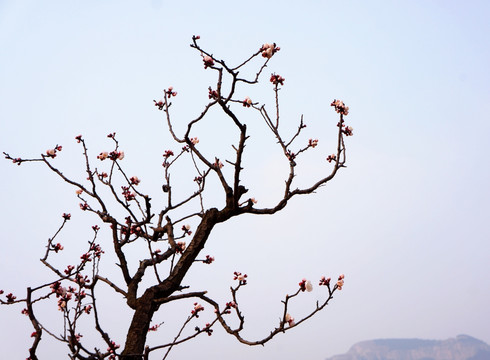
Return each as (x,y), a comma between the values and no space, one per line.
(146,305)
(136,337)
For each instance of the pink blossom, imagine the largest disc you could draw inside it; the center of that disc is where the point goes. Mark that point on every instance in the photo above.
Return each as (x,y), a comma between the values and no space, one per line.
(277,79)
(340,107)
(154,327)
(242,278)
(103,155)
(170,92)
(324,281)
(247,102)
(194,141)
(348,131)
(58,247)
(180,247)
(208,61)
(134,180)
(269,49)
(218,164)
(208,329)
(313,142)
(159,104)
(51,153)
(197,308)
(289,319)
(340,282)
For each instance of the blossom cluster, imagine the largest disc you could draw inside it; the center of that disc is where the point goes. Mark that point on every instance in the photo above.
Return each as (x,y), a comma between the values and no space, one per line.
(209,259)
(10,297)
(277,79)
(197,308)
(242,278)
(50,152)
(331,158)
(168,153)
(170,92)
(340,107)
(134,180)
(57,247)
(269,49)
(180,247)
(340,282)
(348,130)
(154,327)
(128,195)
(186,229)
(230,305)
(194,140)
(113,155)
(131,229)
(305,285)
(97,250)
(218,164)
(208,329)
(313,142)
(247,102)
(324,281)
(62,294)
(159,104)
(17,161)
(112,350)
(208,61)
(213,94)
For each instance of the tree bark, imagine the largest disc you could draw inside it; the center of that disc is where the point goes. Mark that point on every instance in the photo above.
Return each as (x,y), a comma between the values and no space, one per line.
(136,337)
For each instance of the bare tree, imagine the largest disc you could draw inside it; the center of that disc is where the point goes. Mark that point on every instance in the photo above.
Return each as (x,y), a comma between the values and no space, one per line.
(74,287)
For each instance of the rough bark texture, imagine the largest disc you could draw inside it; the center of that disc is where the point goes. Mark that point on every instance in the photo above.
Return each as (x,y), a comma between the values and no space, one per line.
(136,337)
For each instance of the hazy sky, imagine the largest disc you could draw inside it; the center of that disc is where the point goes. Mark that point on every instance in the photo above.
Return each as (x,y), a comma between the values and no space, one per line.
(407,221)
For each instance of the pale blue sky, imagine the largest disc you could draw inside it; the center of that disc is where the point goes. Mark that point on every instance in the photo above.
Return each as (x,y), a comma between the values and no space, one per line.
(407,221)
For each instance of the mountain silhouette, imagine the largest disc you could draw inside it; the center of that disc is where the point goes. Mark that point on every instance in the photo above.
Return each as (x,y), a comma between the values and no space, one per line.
(463,347)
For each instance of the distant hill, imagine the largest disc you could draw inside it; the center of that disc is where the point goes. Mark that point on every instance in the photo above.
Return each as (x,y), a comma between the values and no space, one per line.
(463,347)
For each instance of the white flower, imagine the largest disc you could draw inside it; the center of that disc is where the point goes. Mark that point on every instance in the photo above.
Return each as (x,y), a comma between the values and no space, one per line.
(121,155)
(309,286)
